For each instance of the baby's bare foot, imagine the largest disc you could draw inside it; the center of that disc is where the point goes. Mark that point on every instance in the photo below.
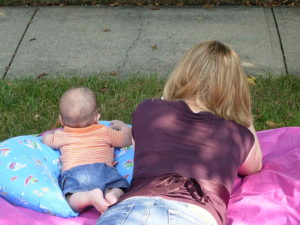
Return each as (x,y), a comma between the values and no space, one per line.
(98,200)
(113,195)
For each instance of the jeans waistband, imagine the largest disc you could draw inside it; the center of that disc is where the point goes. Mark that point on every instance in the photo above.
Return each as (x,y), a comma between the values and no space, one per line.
(196,210)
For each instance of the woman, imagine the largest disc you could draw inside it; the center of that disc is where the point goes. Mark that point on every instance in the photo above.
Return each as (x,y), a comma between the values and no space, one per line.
(191,144)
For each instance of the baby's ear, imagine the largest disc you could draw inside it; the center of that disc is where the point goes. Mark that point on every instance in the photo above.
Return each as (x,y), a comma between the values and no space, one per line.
(97,117)
(60,119)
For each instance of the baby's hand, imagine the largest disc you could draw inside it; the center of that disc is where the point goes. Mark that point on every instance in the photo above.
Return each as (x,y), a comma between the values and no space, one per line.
(117,124)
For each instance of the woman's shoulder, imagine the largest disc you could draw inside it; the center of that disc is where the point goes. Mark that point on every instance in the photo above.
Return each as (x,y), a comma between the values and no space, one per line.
(151,102)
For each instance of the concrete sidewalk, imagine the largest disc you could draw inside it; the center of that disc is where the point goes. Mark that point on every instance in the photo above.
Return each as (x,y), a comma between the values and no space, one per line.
(138,40)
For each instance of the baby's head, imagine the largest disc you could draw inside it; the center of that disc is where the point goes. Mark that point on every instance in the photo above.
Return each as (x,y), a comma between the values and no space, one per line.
(78,108)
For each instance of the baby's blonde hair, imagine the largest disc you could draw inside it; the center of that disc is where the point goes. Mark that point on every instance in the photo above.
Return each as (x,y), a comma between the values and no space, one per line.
(78,107)
(211,74)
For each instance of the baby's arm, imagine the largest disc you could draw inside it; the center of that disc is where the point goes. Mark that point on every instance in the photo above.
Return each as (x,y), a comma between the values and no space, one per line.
(124,130)
(48,138)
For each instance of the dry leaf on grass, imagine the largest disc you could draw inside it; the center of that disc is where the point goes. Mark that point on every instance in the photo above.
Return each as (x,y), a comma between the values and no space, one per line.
(251,80)
(114,4)
(41,75)
(291,114)
(208,6)
(180,4)
(140,3)
(154,46)
(113,73)
(271,123)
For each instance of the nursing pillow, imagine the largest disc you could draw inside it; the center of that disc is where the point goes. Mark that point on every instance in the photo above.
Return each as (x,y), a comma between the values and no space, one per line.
(30,170)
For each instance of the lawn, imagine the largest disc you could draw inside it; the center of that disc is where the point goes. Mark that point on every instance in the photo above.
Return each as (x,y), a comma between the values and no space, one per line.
(30,105)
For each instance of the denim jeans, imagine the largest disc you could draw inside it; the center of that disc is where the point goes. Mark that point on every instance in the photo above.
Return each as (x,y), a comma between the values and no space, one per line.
(90,176)
(153,211)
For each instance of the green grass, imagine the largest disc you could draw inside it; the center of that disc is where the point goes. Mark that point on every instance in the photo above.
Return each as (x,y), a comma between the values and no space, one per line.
(276,102)
(30,105)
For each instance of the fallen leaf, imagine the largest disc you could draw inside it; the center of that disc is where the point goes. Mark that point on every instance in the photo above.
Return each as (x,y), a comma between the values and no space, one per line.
(251,80)
(114,4)
(271,123)
(248,3)
(291,114)
(32,39)
(154,46)
(105,88)
(248,64)
(200,18)
(113,73)
(208,6)
(42,75)
(123,99)
(140,3)
(106,30)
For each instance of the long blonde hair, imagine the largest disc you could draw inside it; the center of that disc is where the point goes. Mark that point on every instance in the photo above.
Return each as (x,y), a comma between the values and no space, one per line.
(211,74)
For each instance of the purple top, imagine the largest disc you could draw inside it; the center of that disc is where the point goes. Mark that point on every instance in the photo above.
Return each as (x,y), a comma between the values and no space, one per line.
(186,156)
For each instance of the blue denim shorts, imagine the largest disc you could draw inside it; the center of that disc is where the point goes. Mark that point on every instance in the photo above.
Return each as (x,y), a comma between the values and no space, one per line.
(91,176)
(155,211)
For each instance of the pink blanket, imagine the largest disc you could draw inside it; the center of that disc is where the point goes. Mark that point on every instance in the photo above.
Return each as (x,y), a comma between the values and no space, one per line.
(271,197)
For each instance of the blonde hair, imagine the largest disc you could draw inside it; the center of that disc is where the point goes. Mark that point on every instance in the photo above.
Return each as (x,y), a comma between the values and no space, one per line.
(211,74)
(78,107)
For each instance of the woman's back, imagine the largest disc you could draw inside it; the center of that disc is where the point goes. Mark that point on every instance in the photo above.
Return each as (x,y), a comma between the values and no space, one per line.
(171,139)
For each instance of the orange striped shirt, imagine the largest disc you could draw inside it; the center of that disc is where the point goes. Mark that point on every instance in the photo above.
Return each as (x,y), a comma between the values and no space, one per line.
(88,145)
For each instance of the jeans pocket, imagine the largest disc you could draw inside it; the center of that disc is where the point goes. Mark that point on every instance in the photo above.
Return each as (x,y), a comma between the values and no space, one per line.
(115,215)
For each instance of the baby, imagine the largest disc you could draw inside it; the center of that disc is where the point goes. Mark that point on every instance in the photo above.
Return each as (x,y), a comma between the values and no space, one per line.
(88,177)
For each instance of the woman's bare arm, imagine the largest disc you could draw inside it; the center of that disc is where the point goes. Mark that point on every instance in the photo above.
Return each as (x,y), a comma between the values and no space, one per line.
(253,162)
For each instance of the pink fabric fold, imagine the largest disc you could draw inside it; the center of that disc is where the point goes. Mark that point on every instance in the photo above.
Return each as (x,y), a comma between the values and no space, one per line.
(271,197)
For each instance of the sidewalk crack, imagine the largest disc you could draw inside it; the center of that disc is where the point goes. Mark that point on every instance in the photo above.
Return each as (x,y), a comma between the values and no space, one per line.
(134,42)
(17,48)
(280,41)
